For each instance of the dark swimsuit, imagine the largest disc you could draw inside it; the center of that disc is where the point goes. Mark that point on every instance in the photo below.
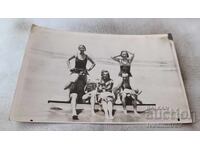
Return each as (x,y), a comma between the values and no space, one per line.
(126,81)
(125,69)
(80,65)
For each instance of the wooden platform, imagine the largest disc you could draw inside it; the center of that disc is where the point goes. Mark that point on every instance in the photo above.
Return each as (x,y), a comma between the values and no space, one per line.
(60,105)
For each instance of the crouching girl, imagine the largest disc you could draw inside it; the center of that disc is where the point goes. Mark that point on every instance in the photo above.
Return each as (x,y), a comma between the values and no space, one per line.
(106,97)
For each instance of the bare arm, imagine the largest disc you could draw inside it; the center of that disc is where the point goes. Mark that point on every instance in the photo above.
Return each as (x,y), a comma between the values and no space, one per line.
(116,58)
(110,85)
(68,61)
(132,56)
(92,62)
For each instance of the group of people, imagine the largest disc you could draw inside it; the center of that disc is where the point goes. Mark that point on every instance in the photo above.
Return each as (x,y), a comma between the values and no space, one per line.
(104,92)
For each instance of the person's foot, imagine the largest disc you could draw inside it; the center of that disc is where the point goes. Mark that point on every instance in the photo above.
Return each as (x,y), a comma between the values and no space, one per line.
(93,113)
(111,117)
(74,112)
(125,112)
(106,116)
(75,117)
(136,114)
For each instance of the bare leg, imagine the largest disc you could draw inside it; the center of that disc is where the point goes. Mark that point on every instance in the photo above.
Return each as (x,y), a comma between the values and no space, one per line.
(73,104)
(119,83)
(68,85)
(110,108)
(134,103)
(136,97)
(105,108)
(116,90)
(118,100)
(92,101)
(67,93)
(73,79)
(124,102)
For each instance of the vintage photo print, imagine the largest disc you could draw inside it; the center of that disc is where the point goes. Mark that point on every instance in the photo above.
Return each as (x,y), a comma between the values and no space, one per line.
(71,77)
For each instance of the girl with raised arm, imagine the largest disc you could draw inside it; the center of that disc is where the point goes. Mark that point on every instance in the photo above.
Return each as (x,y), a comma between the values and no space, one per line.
(124,59)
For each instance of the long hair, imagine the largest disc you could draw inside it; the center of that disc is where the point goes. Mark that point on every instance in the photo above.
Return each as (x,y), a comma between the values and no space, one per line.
(105,71)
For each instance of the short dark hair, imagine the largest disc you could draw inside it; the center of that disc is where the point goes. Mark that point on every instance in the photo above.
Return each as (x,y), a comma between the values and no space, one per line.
(81,47)
(124,52)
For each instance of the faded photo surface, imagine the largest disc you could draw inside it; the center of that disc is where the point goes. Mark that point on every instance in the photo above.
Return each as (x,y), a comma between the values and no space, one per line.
(99,78)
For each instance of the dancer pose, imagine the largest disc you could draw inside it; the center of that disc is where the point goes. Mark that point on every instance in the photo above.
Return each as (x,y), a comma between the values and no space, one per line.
(78,72)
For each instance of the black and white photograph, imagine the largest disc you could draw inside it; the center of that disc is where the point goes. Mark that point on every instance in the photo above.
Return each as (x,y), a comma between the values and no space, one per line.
(76,68)
(77,77)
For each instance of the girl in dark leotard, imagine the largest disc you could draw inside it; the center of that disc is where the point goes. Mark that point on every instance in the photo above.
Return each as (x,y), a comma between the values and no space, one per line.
(81,71)
(125,66)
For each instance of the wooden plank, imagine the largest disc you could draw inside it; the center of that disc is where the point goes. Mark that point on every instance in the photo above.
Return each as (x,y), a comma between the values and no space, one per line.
(63,105)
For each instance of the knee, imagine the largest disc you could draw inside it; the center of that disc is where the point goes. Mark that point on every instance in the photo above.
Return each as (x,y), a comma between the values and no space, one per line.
(115,90)
(123,95)
(74,77)
(93,94)
(110,100)
(86,96)
(73,96)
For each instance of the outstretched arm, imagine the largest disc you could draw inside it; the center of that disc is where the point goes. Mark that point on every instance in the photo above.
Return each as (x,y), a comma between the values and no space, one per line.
(92,62)
(68,61)
(116,58)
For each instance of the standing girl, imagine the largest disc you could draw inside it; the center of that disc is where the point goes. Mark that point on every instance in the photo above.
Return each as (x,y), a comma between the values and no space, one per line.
(124,75)
(79,71)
